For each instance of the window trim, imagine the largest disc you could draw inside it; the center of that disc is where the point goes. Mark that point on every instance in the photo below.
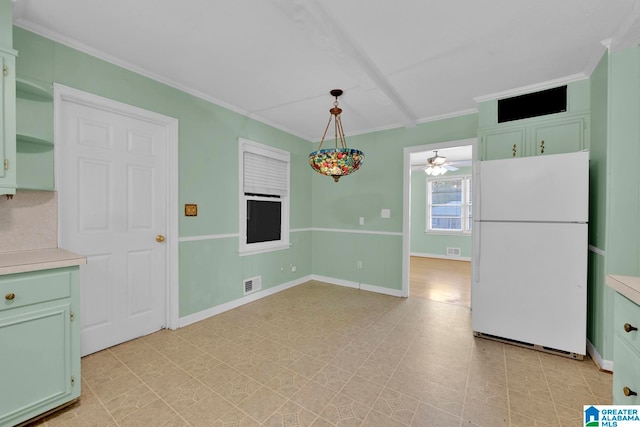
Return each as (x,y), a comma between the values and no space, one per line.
(244,249)
(466,205)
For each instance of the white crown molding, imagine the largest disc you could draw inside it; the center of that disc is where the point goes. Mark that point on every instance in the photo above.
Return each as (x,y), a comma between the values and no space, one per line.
(74,44)
(628,33)
(448,115)
(532,88)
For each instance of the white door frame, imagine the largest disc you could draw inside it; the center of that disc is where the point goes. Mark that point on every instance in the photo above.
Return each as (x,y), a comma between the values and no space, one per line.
(406,197)
(64,93)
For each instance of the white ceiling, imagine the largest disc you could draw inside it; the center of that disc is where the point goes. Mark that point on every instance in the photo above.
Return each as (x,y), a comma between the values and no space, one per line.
(400,63)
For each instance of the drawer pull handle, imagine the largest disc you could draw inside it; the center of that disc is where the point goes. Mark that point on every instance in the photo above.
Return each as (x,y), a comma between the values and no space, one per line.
(10,296)
(629,328)
(628,392)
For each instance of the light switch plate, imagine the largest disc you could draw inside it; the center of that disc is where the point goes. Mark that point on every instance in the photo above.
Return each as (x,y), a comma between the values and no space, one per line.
(385,213)
(190,209)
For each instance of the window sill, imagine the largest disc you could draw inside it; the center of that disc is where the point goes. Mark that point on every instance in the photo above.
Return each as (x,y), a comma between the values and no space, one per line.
(264,249)
(448,232)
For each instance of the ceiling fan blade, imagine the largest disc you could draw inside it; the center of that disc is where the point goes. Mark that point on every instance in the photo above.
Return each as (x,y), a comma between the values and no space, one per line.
(450,168)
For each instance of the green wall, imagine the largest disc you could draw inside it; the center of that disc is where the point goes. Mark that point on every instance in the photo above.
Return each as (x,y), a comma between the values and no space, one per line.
(327,239)
(377,185)
(623,160)
(6,11)
(599,296)
(432,243)
(614,229)
(211,271)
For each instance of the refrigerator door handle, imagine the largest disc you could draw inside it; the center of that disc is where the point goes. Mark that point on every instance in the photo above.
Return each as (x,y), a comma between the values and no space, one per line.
(476,251)
(477,201)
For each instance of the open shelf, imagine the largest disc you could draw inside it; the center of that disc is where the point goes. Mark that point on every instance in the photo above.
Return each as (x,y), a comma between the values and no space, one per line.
(33,140)
(32,89)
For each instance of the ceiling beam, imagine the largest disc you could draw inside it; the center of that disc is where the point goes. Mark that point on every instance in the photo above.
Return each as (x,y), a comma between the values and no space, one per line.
(328,35)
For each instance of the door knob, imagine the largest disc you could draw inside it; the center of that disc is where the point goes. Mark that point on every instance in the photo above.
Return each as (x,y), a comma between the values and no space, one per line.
(159,238)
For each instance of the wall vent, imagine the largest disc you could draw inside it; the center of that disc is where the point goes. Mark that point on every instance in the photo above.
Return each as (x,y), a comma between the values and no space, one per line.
(453,251)
(251,285)
(535,104)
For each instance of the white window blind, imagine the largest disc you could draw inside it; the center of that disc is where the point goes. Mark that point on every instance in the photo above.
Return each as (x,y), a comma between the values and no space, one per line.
(264,175)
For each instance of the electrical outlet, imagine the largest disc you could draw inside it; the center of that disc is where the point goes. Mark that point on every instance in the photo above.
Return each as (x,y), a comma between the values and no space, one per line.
(361,220)
(293,268)
(359,265)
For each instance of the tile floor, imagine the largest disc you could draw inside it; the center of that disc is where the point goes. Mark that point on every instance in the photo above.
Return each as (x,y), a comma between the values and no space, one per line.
(324,355)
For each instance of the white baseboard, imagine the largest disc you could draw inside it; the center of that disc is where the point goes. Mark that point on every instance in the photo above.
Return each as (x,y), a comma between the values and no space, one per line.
(455,258)
(606,365)
(205,314)
(356,285)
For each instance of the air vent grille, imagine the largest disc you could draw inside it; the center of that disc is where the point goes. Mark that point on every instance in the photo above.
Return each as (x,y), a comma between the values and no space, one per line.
(453,251)
(252,285)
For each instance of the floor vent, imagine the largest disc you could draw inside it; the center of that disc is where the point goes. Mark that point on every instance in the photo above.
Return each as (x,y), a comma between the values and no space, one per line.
(453,251)
(251,285)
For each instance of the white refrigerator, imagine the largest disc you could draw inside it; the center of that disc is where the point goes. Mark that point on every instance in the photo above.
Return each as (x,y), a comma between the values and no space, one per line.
(530,251)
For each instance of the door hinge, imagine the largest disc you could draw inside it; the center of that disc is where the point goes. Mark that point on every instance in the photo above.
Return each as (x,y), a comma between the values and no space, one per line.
(5,71)
(6,164)
(73,380)
(72,315)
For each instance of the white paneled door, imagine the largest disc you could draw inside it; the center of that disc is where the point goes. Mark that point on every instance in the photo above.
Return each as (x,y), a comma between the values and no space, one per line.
(112,184)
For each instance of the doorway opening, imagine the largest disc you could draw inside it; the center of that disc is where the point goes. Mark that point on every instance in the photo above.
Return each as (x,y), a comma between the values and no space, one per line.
(437,221)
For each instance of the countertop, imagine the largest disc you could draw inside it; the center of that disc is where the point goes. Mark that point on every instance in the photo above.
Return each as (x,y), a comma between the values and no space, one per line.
(41,259)
(628,286)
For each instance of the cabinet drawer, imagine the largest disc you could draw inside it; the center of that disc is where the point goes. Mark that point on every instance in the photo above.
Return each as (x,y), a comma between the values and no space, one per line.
(627,312)
(18,290)
(625,373)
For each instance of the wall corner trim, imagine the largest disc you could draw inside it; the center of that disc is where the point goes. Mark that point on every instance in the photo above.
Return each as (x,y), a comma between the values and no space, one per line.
(605,365)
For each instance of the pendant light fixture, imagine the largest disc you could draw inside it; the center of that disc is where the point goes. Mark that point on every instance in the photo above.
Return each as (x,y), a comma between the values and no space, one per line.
(338,161)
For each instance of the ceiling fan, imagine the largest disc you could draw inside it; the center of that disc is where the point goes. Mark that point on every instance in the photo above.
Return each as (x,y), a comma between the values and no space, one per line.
(436,165)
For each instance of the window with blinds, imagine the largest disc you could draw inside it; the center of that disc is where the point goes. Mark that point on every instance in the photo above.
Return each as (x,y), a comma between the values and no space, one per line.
(264,198)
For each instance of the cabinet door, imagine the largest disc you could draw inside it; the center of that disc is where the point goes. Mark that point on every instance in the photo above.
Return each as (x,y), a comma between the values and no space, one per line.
(503,144)
(626,374)
(4,69)
(7,123)
(558,137)
(37,371)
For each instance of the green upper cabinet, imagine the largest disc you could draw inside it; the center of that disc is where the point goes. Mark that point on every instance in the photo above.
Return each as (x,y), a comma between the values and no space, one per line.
(503,143)
(8,122)
(556,133)
(7,101)
(559,136)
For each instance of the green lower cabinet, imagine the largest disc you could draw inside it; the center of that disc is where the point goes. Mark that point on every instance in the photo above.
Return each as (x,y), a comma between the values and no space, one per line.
(40,336)
(626,352)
